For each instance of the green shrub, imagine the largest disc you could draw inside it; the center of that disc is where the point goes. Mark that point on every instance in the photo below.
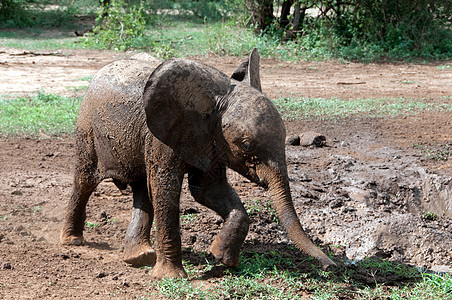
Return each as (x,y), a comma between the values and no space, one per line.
(37,14)
(118,27)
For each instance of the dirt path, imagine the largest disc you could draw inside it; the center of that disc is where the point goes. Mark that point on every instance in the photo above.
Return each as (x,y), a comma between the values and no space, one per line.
(364,194)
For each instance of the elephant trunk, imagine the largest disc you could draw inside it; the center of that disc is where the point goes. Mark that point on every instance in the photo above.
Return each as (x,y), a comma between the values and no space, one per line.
(281,199)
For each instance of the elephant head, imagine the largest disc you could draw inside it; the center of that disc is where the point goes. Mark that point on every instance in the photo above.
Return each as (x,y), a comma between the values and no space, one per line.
(194,108)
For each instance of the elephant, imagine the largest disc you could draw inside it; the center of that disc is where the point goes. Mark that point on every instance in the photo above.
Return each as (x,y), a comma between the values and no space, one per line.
(148,127)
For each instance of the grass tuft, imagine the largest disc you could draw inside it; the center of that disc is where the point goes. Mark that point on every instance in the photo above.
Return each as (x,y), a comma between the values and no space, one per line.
(40,115)
(273,275)
(304,108)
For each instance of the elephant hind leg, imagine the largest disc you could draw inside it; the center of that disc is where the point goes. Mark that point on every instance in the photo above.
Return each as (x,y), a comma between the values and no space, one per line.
(86,179)
(72,231)
(212,190)
(137,249)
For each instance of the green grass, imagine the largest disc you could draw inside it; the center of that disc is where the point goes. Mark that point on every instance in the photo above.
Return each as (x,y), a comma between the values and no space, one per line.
(172,38)
(46,114)
(177,39)
(187,219)
(302,108)
(436,152)
(273,275)
(91,225)
(29,39)
(444,67)
(194,39)
(256,206)
(38,115)
(87,78)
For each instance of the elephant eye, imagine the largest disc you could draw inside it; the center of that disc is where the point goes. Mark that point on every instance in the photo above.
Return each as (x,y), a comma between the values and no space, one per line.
(246,146)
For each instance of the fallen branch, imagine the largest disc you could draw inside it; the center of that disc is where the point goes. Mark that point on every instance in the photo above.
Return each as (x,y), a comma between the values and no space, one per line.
(350,83)
(32,53)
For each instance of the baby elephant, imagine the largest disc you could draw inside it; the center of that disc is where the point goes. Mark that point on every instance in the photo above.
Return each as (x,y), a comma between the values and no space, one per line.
(147,128)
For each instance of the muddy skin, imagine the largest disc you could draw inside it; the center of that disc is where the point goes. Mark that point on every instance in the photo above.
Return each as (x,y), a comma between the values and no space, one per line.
(112,142)
(235,123)
(196,120)
(213,190)
(136,243)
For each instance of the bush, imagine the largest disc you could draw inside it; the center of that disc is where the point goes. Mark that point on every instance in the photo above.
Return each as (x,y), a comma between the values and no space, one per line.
(118,27)
(368,29)
(13,13)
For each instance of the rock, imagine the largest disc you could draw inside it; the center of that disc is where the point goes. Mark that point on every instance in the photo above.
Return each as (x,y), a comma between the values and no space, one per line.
(336,203)
(293,140)
(359,195)
(311,138)
(441,268)
(6,266)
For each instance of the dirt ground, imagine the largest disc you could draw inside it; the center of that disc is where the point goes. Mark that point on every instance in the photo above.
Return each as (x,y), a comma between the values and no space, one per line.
(370,192)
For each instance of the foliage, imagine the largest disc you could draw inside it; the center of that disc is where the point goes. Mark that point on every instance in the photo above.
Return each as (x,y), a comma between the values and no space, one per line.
(365,30)
(13,11)
(369,29)
(202,9)
(118,27)
(37,14)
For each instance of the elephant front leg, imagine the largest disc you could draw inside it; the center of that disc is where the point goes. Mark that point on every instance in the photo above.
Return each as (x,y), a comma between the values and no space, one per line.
(212,190)
(227,244)
(166,181)
(137,248)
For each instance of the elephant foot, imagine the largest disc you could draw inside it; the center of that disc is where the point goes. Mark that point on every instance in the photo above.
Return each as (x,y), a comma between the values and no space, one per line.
(167,269)
(227,254)
(70,239)
(140,256)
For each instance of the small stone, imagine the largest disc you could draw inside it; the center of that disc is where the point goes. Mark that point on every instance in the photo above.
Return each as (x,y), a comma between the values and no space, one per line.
(311,138)
(19,228)
(103,215)
(6,266)
(16,193)
(336,203)
(293,140)
(305,178)
(101,275)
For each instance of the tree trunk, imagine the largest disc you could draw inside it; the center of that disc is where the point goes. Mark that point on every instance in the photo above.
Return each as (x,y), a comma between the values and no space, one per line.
(261,13)
(285,13)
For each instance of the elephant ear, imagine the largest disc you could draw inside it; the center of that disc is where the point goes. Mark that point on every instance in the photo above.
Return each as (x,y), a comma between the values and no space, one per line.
(180,99)
(248,71)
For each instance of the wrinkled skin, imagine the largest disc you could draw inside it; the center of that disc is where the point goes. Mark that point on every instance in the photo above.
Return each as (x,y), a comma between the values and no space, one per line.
(195,120)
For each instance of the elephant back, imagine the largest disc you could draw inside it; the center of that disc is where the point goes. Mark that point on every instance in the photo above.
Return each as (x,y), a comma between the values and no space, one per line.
(112,114)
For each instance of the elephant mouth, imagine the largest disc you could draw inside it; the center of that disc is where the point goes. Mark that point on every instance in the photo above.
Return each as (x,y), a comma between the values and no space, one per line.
(254,178)
(262,184)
